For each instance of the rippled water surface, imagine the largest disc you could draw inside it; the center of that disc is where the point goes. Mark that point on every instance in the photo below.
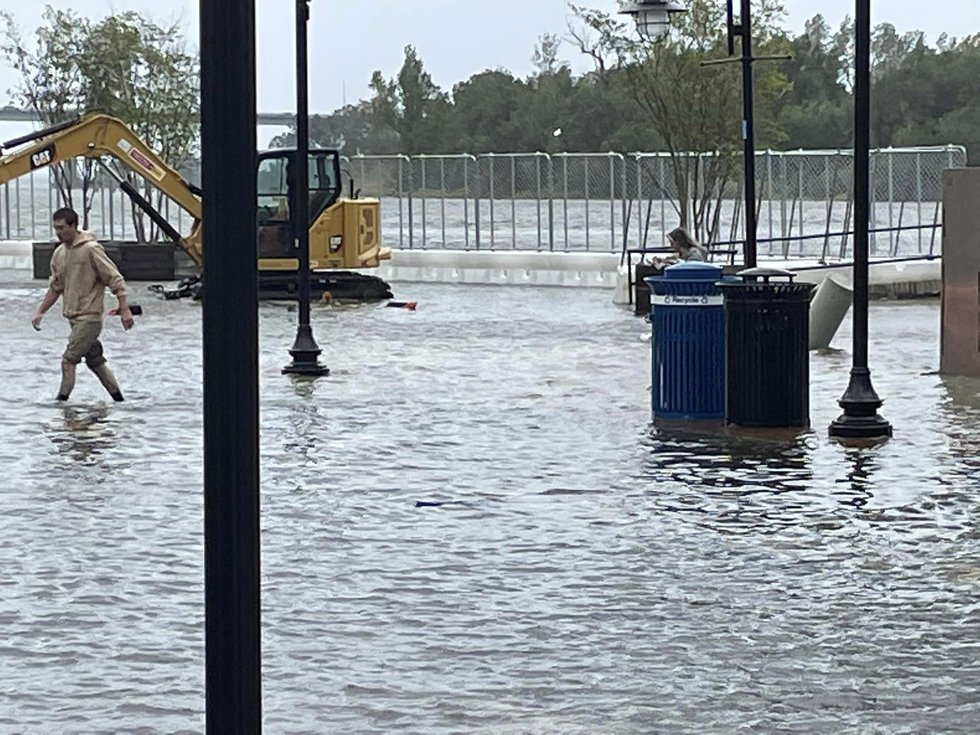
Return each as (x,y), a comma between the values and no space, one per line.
(472,525)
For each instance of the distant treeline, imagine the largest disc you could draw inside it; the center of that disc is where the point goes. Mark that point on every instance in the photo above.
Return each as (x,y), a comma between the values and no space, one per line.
(923,95)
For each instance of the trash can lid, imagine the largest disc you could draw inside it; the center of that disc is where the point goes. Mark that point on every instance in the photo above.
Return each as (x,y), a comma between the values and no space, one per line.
(766,273)
(696,271)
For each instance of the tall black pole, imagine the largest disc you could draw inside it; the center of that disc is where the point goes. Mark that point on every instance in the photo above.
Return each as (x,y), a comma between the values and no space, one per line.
(748,135)
(305,351)
(233,677)
(860,402)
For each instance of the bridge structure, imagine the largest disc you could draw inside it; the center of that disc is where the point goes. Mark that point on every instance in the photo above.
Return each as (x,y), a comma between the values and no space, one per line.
(16,114)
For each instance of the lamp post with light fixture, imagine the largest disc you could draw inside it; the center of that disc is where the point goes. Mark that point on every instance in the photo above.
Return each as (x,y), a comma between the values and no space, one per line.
(652,17)
(860,402)
(743,29)
(305,351)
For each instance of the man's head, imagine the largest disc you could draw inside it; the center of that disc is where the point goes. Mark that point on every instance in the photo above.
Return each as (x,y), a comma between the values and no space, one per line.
(65,224)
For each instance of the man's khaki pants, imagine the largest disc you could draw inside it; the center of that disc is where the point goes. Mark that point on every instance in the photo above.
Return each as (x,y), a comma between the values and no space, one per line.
(83,343)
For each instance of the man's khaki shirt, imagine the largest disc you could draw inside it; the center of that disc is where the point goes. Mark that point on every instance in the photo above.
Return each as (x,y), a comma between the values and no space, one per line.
(80,273)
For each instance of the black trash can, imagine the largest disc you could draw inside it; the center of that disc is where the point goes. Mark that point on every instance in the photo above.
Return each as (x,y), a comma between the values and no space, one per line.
(767,350)
(641,291)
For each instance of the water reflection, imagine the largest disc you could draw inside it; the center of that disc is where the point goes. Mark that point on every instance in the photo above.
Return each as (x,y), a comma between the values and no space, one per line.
(960,413)
(855,489)
(737,480)
(705,554)
(962,409)
(83,434)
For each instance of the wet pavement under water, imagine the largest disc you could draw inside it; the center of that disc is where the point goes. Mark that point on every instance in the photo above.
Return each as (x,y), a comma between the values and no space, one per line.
(472,525)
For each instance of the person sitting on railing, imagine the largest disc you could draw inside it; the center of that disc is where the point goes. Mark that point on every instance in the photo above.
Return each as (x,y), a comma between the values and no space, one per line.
(685,247)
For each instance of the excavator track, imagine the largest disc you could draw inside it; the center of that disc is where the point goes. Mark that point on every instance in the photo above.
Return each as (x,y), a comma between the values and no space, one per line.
(339,286)
(347,286)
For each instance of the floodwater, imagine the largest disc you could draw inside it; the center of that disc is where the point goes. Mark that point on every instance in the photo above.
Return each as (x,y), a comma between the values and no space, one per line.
(472,526)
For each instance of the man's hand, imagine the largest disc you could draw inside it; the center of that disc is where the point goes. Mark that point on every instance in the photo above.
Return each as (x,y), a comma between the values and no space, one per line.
(36,321)
(126,316)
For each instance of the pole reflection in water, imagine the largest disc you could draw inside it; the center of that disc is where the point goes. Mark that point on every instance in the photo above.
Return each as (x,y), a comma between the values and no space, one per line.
(857,491)
(734,481)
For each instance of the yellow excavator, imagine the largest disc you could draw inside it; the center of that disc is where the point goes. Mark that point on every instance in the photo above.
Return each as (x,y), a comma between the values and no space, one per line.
(344,231)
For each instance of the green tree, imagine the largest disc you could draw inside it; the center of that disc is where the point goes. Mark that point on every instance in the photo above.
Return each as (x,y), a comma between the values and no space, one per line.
(929,97)
(143,73)
(486,107)
(52,86)
(350,130)
(411,105)
(124,65)
(545,58)
(696,110)
(816,111)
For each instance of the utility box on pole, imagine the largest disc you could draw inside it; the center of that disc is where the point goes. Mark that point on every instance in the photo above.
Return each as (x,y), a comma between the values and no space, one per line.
(960,331)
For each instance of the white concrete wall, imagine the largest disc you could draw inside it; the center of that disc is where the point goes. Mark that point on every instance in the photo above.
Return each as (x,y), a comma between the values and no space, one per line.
(577,270)
(597,270)
(16,255)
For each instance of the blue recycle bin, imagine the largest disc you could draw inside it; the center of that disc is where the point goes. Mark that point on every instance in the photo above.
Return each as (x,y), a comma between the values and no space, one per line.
(687,312)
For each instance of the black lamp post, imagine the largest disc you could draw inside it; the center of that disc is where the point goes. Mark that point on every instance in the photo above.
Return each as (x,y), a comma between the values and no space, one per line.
(744,30)
(305,351)
(860,419)
(233,653)
(653,21)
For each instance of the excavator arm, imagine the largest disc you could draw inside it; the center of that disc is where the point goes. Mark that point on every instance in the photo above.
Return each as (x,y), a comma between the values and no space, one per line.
(96,136)
(344,233)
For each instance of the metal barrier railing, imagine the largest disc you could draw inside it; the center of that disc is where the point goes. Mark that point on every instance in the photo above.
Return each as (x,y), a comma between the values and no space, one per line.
(603,202)
(727,252)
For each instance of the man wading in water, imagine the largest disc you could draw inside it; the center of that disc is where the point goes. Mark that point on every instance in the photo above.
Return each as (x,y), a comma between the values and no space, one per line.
(80,273)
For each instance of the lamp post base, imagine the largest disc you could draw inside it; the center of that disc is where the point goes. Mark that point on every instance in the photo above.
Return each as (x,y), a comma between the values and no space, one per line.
(306,353)
(860,419)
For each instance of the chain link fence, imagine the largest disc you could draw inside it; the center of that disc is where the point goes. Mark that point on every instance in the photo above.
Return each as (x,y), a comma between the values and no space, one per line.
(601,202)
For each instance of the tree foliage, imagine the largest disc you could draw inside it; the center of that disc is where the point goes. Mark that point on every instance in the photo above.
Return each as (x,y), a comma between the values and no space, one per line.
(696,109)
(123,65)
(660,96)
(638,97)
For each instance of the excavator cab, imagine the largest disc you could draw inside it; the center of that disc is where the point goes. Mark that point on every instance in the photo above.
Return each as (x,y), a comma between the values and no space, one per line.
(344,232)
(275,237)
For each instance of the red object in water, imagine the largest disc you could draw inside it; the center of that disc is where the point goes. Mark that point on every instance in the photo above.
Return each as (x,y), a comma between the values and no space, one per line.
(410,305)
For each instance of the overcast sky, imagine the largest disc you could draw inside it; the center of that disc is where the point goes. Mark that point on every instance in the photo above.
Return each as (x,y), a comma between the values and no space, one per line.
(455,38)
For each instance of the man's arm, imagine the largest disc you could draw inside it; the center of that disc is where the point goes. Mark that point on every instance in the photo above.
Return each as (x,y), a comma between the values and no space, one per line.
(55,289)
(46,303)
(112,278)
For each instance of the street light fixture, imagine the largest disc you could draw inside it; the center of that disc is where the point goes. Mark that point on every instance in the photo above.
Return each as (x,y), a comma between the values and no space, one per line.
(743,31)
(860,402)
(653,16)
(305,351)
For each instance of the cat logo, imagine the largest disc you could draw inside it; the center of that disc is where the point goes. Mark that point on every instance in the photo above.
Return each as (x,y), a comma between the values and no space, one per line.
(42,157)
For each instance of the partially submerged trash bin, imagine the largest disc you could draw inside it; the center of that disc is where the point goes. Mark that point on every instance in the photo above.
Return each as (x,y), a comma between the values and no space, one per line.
(688,344)
(767,326)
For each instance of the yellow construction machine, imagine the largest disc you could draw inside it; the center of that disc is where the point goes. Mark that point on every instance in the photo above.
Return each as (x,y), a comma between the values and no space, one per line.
(344,231)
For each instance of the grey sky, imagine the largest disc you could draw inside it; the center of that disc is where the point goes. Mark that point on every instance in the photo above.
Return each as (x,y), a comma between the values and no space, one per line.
(455,38)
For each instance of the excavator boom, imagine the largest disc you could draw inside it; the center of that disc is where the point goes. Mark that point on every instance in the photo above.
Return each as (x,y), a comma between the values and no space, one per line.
(344,233)
(97,136)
